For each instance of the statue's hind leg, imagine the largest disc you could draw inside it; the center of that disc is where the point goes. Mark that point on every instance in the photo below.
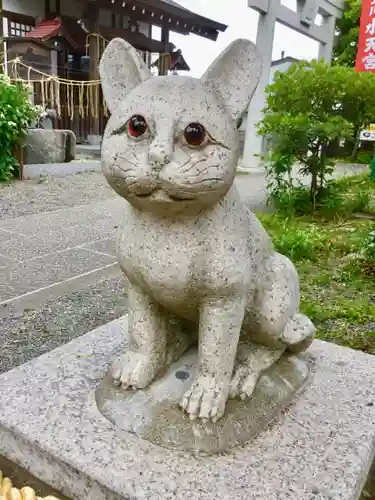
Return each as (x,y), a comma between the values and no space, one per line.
(252,360)
(272,325)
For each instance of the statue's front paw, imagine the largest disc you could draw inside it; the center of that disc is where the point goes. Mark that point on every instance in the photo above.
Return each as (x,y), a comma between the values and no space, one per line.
(206,398)
(135,370)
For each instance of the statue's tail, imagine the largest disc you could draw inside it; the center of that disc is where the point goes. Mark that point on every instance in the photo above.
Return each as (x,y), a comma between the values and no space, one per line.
(299,334)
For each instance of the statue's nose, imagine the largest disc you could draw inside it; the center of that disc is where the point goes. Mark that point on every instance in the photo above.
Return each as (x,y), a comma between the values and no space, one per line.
(160,153)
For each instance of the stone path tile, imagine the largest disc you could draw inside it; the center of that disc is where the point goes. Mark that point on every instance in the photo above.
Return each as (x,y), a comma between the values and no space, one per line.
(5,261)
(31,331)
(91,214)
(23,248)
(30,276)
(104,246)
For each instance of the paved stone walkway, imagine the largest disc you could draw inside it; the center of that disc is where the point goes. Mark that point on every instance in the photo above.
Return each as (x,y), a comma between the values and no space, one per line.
(45,254)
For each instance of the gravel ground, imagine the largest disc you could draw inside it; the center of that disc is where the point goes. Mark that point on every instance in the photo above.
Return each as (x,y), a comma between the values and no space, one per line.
(27,335)
(47,194)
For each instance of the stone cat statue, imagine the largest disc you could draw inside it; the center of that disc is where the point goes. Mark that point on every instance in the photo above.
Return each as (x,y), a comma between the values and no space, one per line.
(202,269)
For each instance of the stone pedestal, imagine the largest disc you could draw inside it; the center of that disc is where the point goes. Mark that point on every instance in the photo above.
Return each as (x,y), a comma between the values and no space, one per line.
(321,446)
(154,414)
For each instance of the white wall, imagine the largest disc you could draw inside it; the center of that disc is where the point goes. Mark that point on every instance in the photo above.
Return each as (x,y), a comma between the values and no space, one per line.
(34,8)
(282,66)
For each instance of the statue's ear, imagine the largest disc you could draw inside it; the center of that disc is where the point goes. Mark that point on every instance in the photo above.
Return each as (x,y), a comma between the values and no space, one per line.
(121,70)
(235,76)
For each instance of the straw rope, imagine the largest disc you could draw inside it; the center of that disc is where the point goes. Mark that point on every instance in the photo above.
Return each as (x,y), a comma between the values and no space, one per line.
(82,97)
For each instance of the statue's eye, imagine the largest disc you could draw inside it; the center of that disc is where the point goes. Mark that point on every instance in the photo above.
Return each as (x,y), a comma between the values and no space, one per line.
(195,134)
(137,126)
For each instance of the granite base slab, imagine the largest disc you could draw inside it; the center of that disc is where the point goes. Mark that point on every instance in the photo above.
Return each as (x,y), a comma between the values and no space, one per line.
(321,447)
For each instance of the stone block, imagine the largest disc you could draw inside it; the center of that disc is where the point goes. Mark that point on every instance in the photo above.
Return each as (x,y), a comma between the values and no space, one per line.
(49,146)
(320,447)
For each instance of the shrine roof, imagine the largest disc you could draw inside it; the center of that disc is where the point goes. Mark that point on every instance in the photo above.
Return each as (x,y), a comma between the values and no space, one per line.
(46,29)
(167,13)
(49,28)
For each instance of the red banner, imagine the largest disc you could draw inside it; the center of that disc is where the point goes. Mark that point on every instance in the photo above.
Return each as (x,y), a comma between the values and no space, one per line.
(365,60)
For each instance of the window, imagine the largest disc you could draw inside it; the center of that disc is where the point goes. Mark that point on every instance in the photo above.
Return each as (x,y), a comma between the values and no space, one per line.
(18,29)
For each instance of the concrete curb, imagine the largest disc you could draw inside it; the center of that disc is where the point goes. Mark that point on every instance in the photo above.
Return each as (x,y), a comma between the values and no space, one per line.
(59,169)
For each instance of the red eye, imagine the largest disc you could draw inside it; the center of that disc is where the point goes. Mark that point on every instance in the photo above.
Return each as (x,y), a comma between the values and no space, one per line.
(195,134)
(137,126)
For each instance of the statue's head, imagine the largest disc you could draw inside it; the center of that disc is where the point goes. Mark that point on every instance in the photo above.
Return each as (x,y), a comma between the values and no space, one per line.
(171,144)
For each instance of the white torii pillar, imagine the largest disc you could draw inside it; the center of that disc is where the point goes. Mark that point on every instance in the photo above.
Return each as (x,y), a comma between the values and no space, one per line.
(302,21)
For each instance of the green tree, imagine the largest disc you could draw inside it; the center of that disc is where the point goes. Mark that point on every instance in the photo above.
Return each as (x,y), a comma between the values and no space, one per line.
(308,107)
(345,48)
(16,114)
(358,105)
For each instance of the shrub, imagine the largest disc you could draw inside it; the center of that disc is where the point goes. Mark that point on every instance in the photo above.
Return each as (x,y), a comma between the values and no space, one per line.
(296,240)
(310,107)
(16,114)
(339,198)
(368,252)
(370,246)
(298,244)
(364,158)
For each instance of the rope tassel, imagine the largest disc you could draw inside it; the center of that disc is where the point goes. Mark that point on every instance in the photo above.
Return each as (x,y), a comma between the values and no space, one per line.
(82,97)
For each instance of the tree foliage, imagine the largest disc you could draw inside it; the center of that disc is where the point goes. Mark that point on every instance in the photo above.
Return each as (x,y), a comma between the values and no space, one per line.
(345,48)
(308,107)
(16,114)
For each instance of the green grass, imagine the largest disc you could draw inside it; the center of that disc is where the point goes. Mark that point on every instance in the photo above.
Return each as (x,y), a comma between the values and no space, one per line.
(337,279)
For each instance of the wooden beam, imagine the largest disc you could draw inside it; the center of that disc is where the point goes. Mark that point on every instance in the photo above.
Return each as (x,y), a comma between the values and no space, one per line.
(47,10)
(163,68)
(165,38)
(183,14)
(1,19)
(90,11)
(94,54)
(138,40)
